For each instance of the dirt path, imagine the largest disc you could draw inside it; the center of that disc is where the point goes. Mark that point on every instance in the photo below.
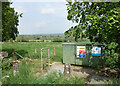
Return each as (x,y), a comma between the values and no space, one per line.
(90,75)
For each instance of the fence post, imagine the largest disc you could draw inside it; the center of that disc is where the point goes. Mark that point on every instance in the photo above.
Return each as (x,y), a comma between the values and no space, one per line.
(41,62)
(54,51)
(35,51)
(13,52)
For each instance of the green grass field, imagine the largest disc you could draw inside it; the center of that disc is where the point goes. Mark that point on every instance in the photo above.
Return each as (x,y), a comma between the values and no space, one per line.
(27,49)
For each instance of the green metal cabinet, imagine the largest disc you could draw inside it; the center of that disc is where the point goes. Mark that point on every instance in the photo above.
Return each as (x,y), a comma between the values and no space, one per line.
(70,54)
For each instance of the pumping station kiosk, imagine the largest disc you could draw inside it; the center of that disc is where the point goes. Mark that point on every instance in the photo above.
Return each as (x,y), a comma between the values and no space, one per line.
(83,54)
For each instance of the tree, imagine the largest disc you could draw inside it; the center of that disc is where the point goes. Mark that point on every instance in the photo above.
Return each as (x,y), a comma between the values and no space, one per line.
(22,38)
(99,21)
(9,22)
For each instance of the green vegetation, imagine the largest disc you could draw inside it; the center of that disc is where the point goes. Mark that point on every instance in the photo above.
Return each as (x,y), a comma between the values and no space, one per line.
(22,39)
(47,38)
(26,76)
(23,77)
(6,64)
(111,56)
(28,49)
(41,38)
(9,22)
(100,22)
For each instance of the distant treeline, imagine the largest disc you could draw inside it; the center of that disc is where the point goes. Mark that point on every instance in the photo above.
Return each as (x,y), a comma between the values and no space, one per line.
(41,38)
(45,38)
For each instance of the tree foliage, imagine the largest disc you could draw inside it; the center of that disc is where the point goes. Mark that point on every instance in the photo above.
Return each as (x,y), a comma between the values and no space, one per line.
(99,21)
(10,20)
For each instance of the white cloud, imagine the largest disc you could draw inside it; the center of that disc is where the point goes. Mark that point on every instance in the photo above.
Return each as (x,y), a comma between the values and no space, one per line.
(48,10)
(54,9)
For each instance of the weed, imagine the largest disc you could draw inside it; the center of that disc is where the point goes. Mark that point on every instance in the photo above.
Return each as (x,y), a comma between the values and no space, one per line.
(25,76)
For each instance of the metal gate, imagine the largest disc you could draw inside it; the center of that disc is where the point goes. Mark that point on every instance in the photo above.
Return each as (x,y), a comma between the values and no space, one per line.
(45,58)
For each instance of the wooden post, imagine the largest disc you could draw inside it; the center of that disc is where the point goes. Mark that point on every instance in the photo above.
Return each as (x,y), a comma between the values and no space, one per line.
(35,51)
(67,70)
(19,55)
(13,52)
(54,51)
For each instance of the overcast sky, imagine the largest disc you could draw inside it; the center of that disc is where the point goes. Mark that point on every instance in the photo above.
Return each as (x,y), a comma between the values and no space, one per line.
(42,17)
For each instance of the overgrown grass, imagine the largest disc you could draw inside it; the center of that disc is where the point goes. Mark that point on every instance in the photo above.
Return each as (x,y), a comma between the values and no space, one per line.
(58,78)
(26,76)
(115,82)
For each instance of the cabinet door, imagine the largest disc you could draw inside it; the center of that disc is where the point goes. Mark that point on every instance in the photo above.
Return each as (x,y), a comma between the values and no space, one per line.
(68,54)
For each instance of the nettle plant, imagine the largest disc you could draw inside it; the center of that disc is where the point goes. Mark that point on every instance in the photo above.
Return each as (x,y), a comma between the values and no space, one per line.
(6,64)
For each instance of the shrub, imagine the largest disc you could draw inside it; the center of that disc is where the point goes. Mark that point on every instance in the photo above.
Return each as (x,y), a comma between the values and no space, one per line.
(6,64)
(22,39)
(57,39)
(111,57)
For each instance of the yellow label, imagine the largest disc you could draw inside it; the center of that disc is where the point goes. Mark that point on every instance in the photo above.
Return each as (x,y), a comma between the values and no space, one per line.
(81,47)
